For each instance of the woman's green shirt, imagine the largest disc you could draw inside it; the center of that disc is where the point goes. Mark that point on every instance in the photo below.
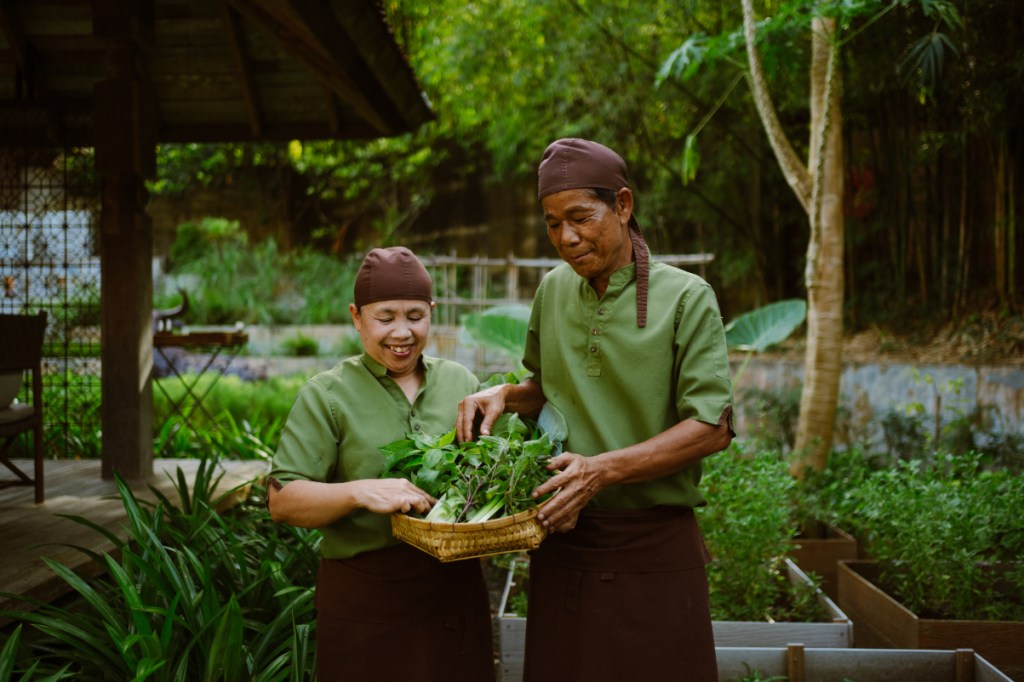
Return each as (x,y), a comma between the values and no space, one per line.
(342,417)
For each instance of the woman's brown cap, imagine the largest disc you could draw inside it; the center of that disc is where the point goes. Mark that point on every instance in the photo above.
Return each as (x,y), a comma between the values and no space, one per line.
(392,274)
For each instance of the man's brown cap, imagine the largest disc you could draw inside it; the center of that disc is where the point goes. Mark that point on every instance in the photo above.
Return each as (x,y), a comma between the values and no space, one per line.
(392,274)
(574,163)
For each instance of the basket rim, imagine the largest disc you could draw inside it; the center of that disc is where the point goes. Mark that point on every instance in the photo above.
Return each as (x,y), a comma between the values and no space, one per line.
(491,524)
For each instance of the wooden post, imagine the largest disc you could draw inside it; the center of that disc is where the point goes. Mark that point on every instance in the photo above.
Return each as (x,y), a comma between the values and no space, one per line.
(125,134)
(964,665)
(796,670)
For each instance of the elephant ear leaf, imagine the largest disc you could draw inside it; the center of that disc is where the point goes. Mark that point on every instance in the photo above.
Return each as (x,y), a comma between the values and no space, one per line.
(552,423)
(766,326)
(501,328)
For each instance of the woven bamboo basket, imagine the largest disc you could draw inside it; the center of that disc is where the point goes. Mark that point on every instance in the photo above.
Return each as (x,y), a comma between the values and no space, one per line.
(457,541)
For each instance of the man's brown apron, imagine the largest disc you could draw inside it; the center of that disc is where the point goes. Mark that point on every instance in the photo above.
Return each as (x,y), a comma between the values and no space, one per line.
(399,614)
(623,596)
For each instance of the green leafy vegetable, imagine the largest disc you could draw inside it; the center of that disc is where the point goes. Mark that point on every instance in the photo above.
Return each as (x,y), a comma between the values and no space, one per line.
(490,477)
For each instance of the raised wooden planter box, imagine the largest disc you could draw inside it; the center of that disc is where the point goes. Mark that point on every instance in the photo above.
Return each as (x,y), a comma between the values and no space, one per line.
(821,551)
(799,664)
(837,632)
(881,621)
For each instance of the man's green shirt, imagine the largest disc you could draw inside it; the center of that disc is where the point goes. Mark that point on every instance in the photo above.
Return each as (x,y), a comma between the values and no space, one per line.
(618,384)
(342,417)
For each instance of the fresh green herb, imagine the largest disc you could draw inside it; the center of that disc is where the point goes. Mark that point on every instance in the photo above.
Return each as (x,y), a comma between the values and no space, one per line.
(490,477)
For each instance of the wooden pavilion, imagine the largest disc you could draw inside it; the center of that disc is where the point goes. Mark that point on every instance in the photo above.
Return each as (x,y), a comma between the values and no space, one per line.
(122,76)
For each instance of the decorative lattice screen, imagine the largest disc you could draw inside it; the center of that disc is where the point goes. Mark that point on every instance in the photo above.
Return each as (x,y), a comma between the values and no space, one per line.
(49,260)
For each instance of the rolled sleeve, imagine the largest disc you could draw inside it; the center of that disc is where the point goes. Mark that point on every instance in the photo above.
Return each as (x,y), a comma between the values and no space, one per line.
(703,386)
(308,449)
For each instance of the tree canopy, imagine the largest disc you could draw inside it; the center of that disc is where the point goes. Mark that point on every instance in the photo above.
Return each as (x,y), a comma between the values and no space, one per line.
(932,111)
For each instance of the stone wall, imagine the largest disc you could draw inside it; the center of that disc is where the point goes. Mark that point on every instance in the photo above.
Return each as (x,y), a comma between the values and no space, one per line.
(869,390)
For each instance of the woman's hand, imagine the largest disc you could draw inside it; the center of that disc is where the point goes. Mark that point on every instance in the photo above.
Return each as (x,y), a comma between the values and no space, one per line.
(577,480)
(390,495)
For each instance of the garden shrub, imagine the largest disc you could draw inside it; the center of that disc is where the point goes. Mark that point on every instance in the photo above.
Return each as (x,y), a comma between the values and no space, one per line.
(772,416)
(747,525)
(301,345)
(230,280)
(934,526)
(257,407)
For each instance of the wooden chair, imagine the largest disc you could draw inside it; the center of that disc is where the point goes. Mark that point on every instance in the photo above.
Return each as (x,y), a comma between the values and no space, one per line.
(21,350)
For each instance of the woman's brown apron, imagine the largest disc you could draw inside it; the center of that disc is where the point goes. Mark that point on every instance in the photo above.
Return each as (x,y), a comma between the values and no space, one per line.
(399,614)
(623,596)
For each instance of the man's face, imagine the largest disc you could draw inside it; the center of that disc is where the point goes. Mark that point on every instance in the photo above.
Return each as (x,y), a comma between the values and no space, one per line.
(591,236)
(394,333)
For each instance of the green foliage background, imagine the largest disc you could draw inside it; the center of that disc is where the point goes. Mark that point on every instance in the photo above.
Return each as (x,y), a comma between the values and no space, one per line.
(932,102)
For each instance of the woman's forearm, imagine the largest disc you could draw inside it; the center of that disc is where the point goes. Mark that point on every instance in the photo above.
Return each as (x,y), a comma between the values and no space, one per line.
(311,504)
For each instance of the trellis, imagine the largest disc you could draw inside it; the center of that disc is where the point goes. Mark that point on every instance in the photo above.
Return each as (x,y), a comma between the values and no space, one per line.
(48,261)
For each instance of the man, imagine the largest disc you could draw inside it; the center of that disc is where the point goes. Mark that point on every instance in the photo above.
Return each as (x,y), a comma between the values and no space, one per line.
(632,352)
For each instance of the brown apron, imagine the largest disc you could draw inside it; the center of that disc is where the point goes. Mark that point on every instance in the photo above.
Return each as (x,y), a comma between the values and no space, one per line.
(623,596)
(399,614)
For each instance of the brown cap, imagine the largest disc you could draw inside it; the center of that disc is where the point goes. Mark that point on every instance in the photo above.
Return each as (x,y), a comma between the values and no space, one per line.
(392,274)
(573,163)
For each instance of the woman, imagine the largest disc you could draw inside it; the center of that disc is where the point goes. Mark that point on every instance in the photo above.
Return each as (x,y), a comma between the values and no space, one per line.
(384,609)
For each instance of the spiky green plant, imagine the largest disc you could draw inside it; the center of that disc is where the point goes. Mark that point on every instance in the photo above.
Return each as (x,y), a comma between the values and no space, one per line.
(189,594)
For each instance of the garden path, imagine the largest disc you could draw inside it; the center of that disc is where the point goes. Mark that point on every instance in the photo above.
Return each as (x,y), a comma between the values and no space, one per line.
(29,531)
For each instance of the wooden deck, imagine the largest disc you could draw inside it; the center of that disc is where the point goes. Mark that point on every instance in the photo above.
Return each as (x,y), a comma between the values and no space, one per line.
(29,531)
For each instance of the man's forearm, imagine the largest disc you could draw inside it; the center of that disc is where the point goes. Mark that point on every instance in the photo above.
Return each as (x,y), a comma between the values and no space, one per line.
(526,398)
(666,453)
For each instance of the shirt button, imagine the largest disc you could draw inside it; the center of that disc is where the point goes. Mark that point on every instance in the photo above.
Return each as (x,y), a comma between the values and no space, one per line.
(594,332)
(593,349)
(601,311)
(416,427)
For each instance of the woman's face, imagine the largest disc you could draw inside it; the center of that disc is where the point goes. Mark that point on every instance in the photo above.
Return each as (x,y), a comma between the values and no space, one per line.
(394,333)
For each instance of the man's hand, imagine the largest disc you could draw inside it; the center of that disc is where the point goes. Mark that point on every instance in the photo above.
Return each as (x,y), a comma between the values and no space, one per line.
(525,398)
(489,404)
(577,480)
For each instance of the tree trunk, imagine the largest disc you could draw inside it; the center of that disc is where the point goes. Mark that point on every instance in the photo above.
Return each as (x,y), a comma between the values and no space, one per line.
(793,170)
(824,275)
(999,221)
(819,187)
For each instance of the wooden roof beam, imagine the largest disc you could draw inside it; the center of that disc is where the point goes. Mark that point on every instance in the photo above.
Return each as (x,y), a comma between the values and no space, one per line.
(340,46)
(232,25)
(333,116)
(289,30)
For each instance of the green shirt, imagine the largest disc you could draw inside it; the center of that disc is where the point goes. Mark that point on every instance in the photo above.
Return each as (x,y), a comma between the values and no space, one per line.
(617,384)
(340,419)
